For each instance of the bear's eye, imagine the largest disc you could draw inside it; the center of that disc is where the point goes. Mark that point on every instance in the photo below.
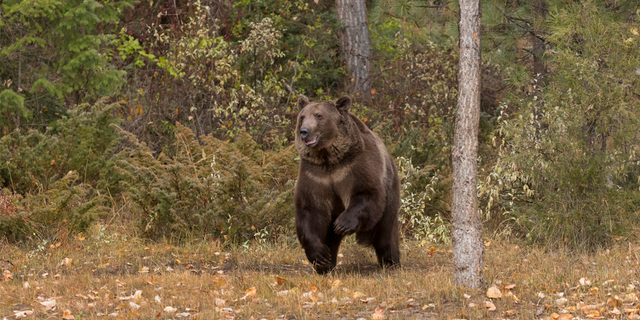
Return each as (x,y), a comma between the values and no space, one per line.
(319,116)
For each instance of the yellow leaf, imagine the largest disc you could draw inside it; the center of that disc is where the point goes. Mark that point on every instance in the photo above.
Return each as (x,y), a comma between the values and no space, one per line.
(565,316)
(251,292)
(593,314)
(614,302)
(336,284)
(490,306)
(635,31)
(66,314)
(313,288)
(494,293)
(510,312)
(280,281)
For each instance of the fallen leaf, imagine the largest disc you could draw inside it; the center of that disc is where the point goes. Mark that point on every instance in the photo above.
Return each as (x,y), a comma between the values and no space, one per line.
(169,309)
(584,282)
(283,292)
(144,270)
(7,275)
(48,304)
(313,288)
(565,316)
(367,300)
(249,293)
(22,314)
(490,306)
(510,286)
(561,301)
(510,312)
(280,281)
(219,302)
(119,283)
(336,284)
(614,302)
(494,293)
(158,299)
(26,285)
(357,295)
(66,262)
(183,315)
(134,305)
(594,314)
(66,314)
(378,314)
(615,312)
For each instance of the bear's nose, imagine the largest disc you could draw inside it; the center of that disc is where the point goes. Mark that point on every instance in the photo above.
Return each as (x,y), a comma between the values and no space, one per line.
(304,132)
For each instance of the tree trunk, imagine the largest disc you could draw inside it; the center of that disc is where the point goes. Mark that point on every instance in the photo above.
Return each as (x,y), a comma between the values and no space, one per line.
(354,43)
(539,67)
(468,249)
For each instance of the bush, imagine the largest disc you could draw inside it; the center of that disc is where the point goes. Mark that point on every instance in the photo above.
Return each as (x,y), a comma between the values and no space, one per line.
(52,180)
(81,141)
(216,188)
(66,208)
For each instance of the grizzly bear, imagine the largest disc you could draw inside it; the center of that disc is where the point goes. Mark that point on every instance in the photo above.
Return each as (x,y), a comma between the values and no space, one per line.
(347,184)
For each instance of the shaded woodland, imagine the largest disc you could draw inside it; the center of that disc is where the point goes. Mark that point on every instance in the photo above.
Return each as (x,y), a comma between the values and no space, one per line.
(176,117)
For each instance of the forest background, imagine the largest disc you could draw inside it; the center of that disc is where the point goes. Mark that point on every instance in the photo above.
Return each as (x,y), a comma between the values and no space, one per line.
(175,117)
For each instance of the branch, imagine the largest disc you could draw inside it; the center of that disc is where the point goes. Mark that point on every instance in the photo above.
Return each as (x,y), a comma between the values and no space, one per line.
(292,90)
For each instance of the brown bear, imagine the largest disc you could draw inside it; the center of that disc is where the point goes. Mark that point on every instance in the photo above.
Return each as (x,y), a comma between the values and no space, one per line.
(347,184)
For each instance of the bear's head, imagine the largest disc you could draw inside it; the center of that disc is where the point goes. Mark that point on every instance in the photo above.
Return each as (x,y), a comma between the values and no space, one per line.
(325,131)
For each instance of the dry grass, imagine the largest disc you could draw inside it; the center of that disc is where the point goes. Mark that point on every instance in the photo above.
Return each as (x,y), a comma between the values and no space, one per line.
(98,277)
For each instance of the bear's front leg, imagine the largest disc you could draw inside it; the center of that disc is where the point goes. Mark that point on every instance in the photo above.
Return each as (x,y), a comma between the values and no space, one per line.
(363,212)
(312,227)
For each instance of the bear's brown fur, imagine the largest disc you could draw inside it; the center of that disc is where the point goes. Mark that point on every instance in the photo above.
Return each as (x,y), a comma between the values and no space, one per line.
(347,184)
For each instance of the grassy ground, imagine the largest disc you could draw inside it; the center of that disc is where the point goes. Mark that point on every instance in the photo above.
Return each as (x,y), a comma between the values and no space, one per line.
(111,274)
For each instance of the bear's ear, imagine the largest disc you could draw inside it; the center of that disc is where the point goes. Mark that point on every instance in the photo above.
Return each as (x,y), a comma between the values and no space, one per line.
(302,102)
(343,103)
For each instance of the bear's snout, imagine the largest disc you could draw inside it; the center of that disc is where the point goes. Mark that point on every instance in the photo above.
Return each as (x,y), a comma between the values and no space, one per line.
(304,132)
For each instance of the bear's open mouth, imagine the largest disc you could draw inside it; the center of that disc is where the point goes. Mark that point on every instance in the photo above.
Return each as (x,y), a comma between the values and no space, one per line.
(312,142)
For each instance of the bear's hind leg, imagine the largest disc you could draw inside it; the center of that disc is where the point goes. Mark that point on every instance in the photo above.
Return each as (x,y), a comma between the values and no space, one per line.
(386,240)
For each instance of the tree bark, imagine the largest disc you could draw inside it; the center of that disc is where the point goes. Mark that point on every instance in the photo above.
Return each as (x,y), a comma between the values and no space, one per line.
(355,51)
(539,67)
(468,249)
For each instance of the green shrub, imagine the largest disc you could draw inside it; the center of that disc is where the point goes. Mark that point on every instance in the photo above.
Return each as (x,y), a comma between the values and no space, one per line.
(208,186)
(67,207)
(422,215)
(81,141)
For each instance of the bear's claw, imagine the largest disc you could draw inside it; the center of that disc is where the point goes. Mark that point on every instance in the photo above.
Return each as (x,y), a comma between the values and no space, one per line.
(345,226)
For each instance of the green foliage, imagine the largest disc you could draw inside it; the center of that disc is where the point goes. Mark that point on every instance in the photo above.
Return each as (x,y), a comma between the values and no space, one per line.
(568,165)
(420,190)
(82,141)
(60,49)
(12,108)
(216,188)
(65,208)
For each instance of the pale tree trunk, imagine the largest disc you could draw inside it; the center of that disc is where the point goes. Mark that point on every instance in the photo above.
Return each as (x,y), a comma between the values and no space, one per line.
(355,50)
(468,249)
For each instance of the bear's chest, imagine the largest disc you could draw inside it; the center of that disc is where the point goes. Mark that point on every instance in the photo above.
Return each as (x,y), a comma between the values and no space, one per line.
(334,187)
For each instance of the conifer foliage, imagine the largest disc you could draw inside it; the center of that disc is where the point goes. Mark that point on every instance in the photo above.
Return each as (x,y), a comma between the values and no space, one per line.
(208,186)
